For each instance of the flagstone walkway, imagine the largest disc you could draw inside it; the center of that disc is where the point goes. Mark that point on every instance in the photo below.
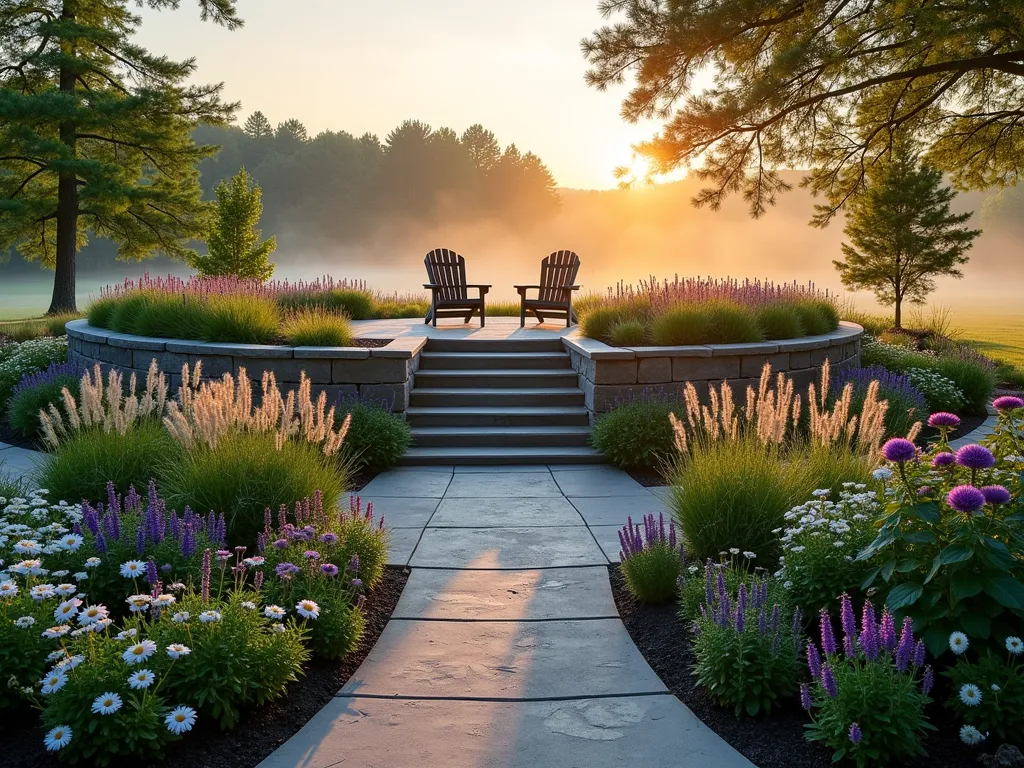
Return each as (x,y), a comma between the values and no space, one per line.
(506,650)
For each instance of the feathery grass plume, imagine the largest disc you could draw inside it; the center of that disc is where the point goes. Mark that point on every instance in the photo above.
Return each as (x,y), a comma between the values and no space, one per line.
(205,411)
(108,406)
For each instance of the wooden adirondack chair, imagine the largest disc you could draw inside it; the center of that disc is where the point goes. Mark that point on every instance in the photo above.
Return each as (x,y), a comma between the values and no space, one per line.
(449,291)
(557,282)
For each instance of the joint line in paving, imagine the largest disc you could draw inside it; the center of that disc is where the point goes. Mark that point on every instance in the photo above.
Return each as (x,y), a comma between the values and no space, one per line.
(500,699)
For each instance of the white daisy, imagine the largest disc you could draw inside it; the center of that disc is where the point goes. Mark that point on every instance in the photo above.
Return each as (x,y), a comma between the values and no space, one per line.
(92,562)
(141,680)
(139,652)
(970,694)
(42,592)
(1014,645)
(181,617)
(53,682)
(8,589)
(749,555)
(71,542)
(57,738)
(98,626)
(274,612)
(24,622)
(164,600)
(177,650)
(209,616)
(133,569)
(127,634)
(138,603)
(307,609)
(72,662)
(67,610)
(80,576)
(180,719)
(106,704)
(92,613)
(54,632)
(28,547)
(958,643)
(971,736)
(65,589)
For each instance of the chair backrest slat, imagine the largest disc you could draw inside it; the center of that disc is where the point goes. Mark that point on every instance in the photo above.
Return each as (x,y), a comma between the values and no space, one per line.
(557,271)
(447,269)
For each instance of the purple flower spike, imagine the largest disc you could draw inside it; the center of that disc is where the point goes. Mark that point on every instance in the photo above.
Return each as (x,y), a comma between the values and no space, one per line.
(828,681)
(996,494)
(805,697)
(741,599)
(927,680)
(151,574)
(943,420)
(975,457)
(905,649)
(887,631)
(849,623)
(828,640)
(206,576)
(869,631)
(257,580)
(353,564)
(855,733)
(966,499)
(944,459)
(1007,403)
(918,659)
(899,450)
(813,660)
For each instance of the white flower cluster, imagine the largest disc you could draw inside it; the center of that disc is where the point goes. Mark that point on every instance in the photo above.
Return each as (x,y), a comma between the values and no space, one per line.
(941,393)
(31,528)
(970,694)
(823,524)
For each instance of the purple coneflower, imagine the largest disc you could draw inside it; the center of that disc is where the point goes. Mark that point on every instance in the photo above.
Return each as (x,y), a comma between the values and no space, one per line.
(966,499)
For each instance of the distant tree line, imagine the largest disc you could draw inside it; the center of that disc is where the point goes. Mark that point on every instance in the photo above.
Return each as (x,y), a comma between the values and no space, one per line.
(338,187)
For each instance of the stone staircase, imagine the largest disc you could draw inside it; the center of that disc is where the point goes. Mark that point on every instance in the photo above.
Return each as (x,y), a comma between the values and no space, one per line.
(506,401)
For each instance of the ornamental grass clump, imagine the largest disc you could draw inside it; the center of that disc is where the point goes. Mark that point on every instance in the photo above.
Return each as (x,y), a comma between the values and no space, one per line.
(868,693)
(907,405)
(746,647)
(949,550)
(651,562)
(36,392)
(317,328)
(988,694)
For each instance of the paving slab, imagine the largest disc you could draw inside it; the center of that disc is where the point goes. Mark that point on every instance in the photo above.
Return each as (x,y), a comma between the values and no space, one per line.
(649,731)
(473,469)
(20,463)
(507,548)
(397,512)
(501,513)
(420,485)
(403,542)
(602,481)
(503,660)
(613,510)
(608,537)
(557,593)
(503,485)
(449,468)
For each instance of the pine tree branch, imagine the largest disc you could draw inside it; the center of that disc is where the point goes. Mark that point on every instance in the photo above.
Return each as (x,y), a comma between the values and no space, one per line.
(26,181)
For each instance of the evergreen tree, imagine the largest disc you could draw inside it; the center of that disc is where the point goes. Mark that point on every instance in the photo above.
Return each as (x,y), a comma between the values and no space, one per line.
(234,246)
(292,132)
(483,147)
(95,134)
(902,232)
(258,127)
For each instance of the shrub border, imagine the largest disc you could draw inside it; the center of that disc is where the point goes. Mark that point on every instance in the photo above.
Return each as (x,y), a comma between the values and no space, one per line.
(608,375)
(375,374)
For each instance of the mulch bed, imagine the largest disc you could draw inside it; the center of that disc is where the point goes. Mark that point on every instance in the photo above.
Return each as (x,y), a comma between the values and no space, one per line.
(648,478)
(261,730)
(13,437)
(775,741)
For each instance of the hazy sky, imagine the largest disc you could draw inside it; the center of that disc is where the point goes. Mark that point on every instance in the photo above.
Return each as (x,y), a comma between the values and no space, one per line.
(366,66)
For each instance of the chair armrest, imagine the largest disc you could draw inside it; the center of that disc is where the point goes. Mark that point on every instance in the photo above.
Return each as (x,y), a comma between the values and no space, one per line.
(477,285)
(432,286)
(517,287)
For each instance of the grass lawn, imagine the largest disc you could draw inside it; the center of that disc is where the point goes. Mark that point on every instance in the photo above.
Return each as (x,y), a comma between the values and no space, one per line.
(999,335)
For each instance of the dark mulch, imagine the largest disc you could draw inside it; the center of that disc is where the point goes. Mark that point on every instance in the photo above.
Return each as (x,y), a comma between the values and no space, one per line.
(648,478)
(371,343)
(776,741)
(261,730)
(13,437)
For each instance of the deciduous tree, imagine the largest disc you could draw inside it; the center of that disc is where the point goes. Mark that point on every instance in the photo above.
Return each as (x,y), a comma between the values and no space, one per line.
(234,246)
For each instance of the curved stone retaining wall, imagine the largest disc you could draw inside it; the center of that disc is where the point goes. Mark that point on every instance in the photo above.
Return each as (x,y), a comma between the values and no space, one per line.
(610,375)
(382,374)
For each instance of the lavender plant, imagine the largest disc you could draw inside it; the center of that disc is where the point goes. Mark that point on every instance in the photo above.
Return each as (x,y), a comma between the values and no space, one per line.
(651,562)
(988,694)
(746,648)
(36,392)
(868,692)
(736,568)
(907,404)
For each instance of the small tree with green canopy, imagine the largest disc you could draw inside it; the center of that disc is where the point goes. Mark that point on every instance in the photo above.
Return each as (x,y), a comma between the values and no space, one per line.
(746,87)
(257,126)
(95,134)
(234,247)
(902,232)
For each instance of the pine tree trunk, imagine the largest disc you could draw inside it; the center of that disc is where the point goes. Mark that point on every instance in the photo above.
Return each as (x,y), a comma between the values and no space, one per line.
(67,202)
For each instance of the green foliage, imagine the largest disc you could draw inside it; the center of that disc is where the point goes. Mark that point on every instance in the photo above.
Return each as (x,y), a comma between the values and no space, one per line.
(780,321)
(902,232)
(627,333)
(23,408)
(747,658)
(377,439)
(100,311)
(736,568)
(27,357)
(949,570)
(234,246)
(597,323)
(119,124)
(317,328)
(813,318)
(886,704)
(23,649)
(91,458)
(25,330)
(941,393)
(679,325)
(820,543)
(1001,682)
(234,661)
(894,358)
(975,381)
(636,435)
(729,323)
(244,475)
(651,574)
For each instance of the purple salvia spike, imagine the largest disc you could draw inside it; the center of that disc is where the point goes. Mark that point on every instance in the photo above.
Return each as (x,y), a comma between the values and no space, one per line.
(828,681)
(849,622)
(161,520)
(222,530)
(100,542)
(776,616)
(661,526)
(672,533)
(764,592)
(188,542)
(887,631)
(175,526)
(152,500)
(927,680)
(828,640)
(741,618)
(805,697)
(140,538)
(206,575)
(282,516)
(132,501)
(905,649)
(813,660)
(381,526)
(76,528)
(741,599)
(151,575)
(369,511)
(211,526)
(112,501)
(776,642)
(798,625)
(624,547)
(869,631)
(918,660)
(267,519)
(721,585)
(762,621)
(90,518)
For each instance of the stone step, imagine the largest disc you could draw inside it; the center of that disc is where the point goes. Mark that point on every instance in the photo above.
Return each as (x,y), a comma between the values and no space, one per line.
(464,437)
(510,416)
(493,360)
(494,345)
(498,377)
(494,455)
(494,396)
